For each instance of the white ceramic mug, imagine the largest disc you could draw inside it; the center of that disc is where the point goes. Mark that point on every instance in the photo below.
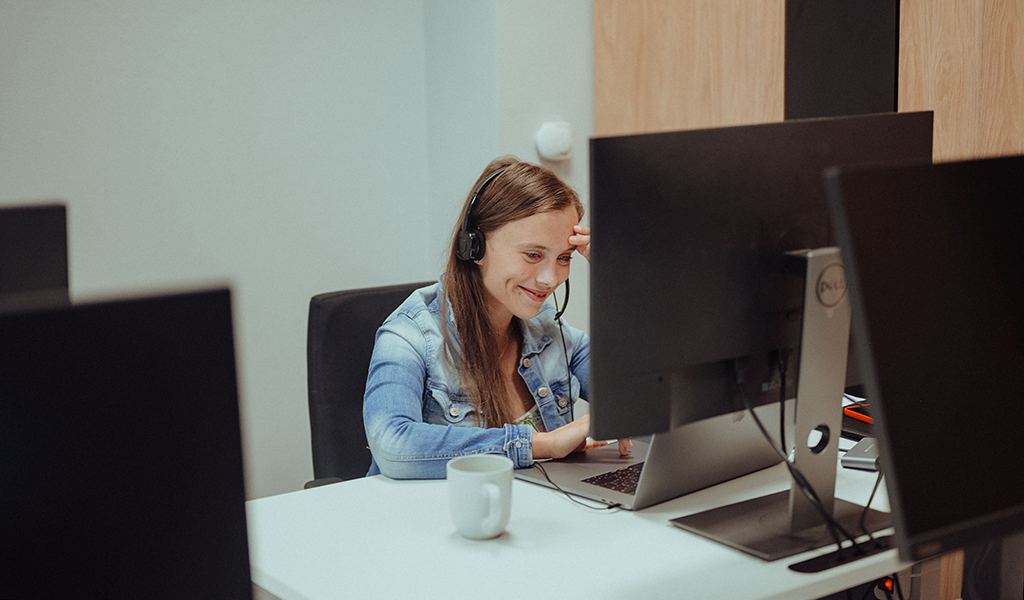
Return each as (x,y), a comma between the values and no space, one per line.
(480,494)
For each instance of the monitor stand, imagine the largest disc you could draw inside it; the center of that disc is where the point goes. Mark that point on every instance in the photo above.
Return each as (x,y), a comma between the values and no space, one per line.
(787,523)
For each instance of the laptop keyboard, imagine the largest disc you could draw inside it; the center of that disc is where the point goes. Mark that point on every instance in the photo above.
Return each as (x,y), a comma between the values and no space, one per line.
(621,480)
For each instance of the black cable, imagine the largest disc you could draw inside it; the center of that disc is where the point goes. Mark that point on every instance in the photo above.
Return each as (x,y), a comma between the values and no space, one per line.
(833,527)
(816,501)
(867,509)
(795,473)
(572,417)
(540,467)
(565,350)
(783,363)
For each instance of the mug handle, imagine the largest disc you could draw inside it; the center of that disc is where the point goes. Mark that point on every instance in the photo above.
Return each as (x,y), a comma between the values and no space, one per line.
(493,494)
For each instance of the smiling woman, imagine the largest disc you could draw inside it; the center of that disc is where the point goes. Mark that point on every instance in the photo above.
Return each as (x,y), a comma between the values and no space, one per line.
(474,363)
(527,260)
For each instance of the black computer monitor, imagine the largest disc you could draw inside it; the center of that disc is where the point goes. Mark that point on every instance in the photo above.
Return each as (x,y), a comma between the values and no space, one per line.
(688,265)
(716,287)
(33,256)
(120,452)
(934,259)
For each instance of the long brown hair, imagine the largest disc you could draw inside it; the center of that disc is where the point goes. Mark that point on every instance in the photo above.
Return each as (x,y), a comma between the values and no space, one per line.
(521,191)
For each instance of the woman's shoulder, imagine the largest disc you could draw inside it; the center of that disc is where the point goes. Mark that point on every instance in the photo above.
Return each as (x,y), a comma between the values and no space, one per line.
(421,299)
(421,307)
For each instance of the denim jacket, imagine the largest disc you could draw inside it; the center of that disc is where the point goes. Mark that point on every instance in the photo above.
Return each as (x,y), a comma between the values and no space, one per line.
(417,415)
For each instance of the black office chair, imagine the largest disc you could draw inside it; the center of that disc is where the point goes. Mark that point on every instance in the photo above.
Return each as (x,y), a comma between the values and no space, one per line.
(339,344)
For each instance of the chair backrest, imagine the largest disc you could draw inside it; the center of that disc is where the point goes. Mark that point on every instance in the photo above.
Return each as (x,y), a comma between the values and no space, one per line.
(33,257)
(339,344)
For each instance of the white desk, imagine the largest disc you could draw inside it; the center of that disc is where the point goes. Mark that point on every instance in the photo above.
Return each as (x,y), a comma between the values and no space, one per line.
(381,538)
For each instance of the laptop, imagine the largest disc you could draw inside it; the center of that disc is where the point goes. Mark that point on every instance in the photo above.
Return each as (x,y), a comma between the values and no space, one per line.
(666,465)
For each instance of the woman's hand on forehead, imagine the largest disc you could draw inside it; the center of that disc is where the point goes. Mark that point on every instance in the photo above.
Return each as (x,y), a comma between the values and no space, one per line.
(581,240)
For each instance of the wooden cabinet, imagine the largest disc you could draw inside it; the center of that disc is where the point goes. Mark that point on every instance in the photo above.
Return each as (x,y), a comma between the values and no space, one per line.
(661,65)
(964,59)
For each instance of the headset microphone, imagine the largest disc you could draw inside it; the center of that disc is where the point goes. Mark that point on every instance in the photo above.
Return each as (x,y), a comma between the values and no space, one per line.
(565,349)
(565,304)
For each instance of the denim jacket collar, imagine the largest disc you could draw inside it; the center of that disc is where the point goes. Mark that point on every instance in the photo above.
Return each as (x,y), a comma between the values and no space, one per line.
(534,338)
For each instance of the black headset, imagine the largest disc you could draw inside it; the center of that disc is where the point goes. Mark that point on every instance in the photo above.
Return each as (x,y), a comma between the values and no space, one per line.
(470,242)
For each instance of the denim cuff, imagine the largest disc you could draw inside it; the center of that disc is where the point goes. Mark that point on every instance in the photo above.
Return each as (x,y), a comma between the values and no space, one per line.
(519,445)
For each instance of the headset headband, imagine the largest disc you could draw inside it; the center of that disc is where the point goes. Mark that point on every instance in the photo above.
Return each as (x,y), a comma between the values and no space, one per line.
(476,193)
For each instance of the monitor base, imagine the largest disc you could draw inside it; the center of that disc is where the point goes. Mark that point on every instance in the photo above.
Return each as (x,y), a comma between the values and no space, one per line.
(760,526)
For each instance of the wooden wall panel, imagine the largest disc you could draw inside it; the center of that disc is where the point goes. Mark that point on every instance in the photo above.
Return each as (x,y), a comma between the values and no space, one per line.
(964,59)
(663,65)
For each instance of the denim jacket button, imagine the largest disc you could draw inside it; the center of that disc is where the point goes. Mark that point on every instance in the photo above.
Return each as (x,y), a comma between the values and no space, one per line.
(562,402)
(543,392)
(453,411)
(526,363)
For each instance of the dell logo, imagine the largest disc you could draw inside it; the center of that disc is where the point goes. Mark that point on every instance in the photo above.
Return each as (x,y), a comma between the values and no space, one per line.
(832,285)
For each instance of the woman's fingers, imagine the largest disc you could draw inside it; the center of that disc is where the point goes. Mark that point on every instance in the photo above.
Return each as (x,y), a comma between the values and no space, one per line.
(581,240)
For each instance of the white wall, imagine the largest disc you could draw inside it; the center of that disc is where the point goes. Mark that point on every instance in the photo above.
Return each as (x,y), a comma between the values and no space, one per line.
(285,148)
(546,62)
(462,107)
(497,70)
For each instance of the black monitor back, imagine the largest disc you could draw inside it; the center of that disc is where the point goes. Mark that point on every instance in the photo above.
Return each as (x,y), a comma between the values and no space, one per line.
(33,257)
(688,229)
(120,452)
(934,261)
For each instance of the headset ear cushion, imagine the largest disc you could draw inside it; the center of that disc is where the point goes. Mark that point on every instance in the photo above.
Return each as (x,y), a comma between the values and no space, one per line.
(476,244)
(470,244)
(463,245)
